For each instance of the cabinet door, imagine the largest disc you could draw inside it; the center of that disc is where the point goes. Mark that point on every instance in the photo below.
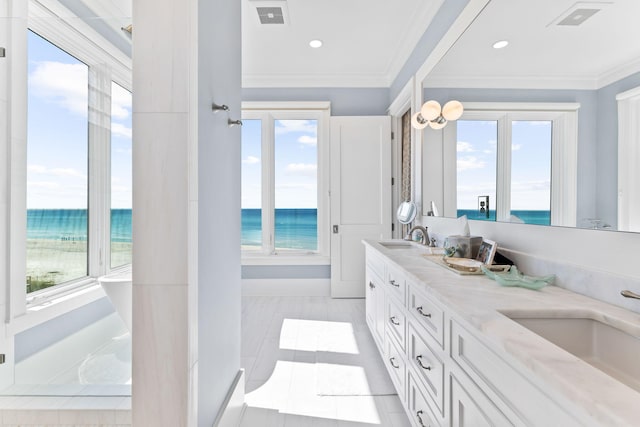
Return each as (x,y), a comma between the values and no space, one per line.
(372,306)
(470,407)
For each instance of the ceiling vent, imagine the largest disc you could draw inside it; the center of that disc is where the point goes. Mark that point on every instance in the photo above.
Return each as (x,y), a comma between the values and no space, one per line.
(271,11)
(579,13)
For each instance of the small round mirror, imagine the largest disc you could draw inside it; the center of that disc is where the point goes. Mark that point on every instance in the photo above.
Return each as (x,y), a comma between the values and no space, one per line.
(406,212)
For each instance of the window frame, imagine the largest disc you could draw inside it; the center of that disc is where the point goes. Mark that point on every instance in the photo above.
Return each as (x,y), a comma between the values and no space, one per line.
(268,113)
(564,153)
(106,64)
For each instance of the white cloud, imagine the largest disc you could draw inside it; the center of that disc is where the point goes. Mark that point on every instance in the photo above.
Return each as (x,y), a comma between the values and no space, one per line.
(492,142)
(120,130)
(464,147)
(488,151)
(251,160)
(305,169)
(62,84)
(120,102)
(516,147)
(287,126)
(540,185)
(470,162)
(308,140)
(44,185)
(42,170)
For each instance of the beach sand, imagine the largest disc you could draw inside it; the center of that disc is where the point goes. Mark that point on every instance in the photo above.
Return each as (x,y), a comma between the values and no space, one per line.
(52,262)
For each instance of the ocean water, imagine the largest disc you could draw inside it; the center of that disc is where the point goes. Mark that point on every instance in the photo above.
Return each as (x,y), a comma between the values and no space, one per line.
(294,228)
(528,217)
(71,224)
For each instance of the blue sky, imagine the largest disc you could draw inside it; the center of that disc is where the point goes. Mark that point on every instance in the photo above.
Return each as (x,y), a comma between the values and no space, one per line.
(295,160)
(57,133)
(530,164)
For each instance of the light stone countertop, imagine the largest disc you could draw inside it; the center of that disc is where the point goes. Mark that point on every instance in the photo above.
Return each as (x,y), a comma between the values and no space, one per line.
(478,300)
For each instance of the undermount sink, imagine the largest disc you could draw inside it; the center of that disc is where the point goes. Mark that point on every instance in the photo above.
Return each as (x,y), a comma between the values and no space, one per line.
(407,244)
(607,348)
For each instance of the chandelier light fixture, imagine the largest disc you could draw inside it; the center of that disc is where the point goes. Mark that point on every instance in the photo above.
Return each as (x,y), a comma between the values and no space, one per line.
(436,117)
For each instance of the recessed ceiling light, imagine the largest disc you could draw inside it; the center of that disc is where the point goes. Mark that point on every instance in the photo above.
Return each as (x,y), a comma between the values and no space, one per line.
(315,43)
(500,44)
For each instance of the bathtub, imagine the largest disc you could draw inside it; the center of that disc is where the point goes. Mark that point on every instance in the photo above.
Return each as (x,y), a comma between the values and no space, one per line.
(119,289)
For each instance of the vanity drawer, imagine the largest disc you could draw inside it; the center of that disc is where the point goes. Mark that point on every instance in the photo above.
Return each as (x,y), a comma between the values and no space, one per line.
(396,321)
(428,367)
(396,365)
(421,413)
(396,284)
(427,313)
(375,263)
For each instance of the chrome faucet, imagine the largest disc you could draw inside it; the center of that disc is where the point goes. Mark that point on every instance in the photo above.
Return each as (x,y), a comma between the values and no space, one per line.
(629,294)
(423,231)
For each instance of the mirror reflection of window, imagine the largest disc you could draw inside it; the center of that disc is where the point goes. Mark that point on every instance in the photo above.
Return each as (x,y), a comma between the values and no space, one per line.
(251,188)
(476,167)
(57,165)
(531,171)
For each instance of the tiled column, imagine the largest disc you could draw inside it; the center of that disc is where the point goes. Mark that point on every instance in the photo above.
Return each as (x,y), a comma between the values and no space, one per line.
(186,210)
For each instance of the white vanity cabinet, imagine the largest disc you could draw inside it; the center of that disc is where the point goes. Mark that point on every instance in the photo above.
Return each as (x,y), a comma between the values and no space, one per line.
(442,371)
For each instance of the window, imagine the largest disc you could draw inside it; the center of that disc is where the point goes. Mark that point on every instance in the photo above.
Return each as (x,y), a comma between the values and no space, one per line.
(121,180)
(517,165)
(283,210)
(57,166)
(78,147)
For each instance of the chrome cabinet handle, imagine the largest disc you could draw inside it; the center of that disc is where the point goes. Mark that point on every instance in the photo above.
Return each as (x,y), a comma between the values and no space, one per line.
(629,294)
(371,285)
(420,418)
(422,312)
(394,283)
(394,321)
(232,123)
(392,361)
(419,360)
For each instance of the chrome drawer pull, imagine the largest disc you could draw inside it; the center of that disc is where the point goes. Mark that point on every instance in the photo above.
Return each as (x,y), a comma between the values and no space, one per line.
(394,321)
(371,285)
(394,283)
(392,361)
(422,312)
(420,418)
(419,360)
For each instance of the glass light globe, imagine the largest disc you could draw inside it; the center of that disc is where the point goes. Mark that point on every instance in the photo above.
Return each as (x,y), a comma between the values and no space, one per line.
(452,110)
(430,110)
(418,123)
(437,124)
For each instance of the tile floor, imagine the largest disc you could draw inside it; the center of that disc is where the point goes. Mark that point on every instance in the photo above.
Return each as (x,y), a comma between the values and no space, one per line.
(311,361)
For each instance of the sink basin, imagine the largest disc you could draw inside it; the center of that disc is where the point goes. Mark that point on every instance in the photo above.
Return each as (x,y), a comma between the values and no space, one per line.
(607,348)
(406,244)
(397,244)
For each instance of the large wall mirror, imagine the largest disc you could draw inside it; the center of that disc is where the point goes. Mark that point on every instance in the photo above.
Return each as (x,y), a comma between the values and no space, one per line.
(542,140)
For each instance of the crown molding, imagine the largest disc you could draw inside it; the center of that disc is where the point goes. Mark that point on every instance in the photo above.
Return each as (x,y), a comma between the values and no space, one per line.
(314,81)
(619,73)
(506,82)
(419,25)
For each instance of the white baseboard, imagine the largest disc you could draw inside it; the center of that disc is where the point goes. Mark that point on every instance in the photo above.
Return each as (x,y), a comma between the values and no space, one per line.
(286,287)
(233,406)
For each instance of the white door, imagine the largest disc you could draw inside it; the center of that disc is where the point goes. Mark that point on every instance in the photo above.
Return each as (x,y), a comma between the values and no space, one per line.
(360,196)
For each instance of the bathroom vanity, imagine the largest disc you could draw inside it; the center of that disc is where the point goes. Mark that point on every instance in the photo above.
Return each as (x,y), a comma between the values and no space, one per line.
(464,351)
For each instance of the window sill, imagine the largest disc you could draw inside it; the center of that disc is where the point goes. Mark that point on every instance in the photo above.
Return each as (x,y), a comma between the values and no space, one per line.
(50,305)
(285,259)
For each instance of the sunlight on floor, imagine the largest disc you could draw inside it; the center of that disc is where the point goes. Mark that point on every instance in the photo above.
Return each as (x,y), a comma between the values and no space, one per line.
(295,388)
(317,335)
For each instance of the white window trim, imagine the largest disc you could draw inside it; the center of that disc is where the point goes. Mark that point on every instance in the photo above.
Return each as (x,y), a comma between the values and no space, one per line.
(564,156)
(106,63)
(268,112)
